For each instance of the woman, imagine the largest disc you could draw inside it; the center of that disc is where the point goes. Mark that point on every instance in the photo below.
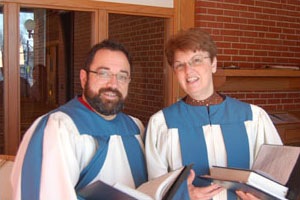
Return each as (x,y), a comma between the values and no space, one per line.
(205,127)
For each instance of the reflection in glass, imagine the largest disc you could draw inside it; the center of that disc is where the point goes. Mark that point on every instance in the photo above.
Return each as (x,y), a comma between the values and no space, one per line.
(53,48)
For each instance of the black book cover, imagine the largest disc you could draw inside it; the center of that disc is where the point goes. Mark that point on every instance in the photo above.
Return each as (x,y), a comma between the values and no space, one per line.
(294,182)
(102,191)
(182,176)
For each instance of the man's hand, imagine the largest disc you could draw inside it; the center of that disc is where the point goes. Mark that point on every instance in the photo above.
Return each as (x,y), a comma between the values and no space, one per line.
(246,196)
(201,193)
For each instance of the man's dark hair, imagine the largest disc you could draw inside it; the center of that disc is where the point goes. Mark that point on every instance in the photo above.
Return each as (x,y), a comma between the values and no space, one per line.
(106,44)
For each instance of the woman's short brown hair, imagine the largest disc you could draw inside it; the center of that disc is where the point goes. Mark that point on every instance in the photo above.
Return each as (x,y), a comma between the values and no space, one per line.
(192,39)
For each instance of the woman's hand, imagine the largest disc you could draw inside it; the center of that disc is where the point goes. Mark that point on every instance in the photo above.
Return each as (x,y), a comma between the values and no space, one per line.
(246,196)
(201,193)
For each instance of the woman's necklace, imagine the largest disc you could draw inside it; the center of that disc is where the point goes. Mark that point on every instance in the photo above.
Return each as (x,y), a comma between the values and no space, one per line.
(214,99)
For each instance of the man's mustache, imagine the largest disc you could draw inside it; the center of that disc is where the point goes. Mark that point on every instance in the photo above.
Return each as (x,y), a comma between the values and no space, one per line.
(117,92)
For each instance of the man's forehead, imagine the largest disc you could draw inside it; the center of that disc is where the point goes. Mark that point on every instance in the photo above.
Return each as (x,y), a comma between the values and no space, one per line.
(110,60)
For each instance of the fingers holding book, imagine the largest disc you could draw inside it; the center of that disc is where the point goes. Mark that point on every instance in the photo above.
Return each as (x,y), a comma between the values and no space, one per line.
(201,193)
(246,195)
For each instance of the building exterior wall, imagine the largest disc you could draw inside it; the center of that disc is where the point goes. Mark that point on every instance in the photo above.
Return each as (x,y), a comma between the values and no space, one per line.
(252,34)
(144,39)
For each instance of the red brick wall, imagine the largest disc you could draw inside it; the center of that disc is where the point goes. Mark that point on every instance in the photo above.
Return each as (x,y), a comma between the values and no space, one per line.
(253,33)
(144,39)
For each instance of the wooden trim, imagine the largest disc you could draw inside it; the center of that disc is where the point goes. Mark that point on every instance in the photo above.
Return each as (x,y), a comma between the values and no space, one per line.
(11,79)
(184,14)
(168,72)
(102,25)
(88,4)
(7,157)
(257,73)
(256,80)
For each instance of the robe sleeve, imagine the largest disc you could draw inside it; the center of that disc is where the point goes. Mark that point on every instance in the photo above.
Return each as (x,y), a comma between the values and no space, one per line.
(64,155)
(156,146)
(266,131)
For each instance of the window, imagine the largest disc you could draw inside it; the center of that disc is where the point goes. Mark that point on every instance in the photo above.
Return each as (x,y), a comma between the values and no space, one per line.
(53,45)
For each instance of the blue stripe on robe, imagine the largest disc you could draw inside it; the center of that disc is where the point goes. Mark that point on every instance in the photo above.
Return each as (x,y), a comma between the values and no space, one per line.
(92,124)
(31,169)
(230,115)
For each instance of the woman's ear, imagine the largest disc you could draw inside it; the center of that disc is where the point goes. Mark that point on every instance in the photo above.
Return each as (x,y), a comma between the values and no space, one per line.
(83,78)
(214,65)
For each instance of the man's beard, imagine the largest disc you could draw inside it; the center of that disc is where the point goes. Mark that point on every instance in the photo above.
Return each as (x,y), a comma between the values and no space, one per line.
(103,106)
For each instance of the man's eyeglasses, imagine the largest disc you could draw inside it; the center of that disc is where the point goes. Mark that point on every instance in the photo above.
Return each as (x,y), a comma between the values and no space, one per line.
(195,61)
(107,75)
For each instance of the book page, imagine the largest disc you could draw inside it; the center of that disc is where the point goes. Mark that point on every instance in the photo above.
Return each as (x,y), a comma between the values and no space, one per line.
(276,161)
(158,187)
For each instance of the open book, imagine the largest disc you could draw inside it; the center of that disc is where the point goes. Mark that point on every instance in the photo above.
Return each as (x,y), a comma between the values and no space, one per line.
(163,187)
(275,174)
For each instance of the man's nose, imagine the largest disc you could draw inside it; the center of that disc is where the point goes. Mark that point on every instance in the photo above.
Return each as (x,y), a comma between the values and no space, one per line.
(112,81)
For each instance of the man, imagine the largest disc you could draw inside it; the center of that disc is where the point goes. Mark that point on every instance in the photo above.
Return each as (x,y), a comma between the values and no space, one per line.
(87,139)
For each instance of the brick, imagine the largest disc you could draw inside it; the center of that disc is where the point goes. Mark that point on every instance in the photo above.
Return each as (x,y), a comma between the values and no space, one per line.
(245,52)
(239,46)
(239,58)
(259,101)
(239,20)
(215,11)
(260,53)
(280,95)
(293,95)
(274,101)
(254,46)
(247,27)
(223,44)
(231,13)
(254,21)
(254,59)
(231,51)
(233,1)
(266,95)
(250,34)
(231,39)
(208,4)
(208,18)
(254,9)
(224,58)
(224,19)
(286,101)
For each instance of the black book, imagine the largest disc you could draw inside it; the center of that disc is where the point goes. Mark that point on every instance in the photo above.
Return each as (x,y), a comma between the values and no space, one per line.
(275,174)
(163,187)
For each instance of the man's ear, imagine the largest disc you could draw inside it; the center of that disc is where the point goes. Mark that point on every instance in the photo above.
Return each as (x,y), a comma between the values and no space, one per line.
(214,65)
(83,78)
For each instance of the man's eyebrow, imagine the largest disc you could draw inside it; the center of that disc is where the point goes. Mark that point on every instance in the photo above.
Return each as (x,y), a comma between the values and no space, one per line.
(102,67)
(108,69)
(124,71)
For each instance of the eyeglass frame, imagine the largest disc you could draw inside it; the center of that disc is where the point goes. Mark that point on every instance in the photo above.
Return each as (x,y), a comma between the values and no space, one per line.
(110,75)
(190,62)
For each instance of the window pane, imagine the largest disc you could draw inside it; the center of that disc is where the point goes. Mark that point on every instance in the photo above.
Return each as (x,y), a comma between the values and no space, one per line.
(53,48)
(1,84)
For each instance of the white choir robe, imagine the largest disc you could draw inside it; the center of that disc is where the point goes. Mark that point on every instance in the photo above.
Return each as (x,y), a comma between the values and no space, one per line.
(167,128)
(68,147)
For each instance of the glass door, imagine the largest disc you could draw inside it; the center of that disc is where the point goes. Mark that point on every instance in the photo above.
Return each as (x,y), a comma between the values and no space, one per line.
(53,45)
